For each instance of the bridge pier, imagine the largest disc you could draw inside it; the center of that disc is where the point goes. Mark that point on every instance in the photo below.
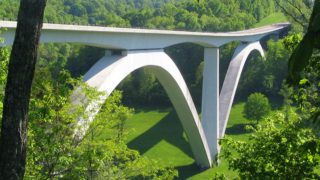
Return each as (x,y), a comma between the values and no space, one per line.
(210,100)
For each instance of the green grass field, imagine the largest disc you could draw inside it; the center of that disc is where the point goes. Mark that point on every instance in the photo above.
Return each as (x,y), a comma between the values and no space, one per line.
(271,19)
(158,134)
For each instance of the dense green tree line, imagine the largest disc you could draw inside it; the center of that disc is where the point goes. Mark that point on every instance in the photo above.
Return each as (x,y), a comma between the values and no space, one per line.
(211,15)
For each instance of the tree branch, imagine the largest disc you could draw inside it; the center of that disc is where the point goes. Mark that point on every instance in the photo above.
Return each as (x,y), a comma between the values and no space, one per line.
(289,14)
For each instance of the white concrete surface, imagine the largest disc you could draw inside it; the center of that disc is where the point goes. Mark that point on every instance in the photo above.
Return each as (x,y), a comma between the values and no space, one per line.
(210,99)
(231,81)
(108,72)
(128,38)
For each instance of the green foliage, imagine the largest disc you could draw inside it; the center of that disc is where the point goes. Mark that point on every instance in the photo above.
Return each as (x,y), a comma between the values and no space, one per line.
(142,87)
(256,107)
(4,61)
(104,157)
(300,58)
(304,67)
(51,123)
(298,12)
(219,176)
(275,67)
(189,14)
(55,151)
(101,157)
(290,42)
(307,92)
(302,54)
(287,92)
(262,75)
(278,149)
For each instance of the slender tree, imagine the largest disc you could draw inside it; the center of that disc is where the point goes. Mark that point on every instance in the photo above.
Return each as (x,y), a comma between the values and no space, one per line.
(17,93)
(301,56)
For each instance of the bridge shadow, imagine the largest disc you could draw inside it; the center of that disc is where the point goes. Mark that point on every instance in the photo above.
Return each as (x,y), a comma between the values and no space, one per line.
(188,170)
(168,129)
(238,129)
(160,109)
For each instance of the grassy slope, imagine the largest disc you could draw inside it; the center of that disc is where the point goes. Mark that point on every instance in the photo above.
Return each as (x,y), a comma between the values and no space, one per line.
(159,135)
(271,19)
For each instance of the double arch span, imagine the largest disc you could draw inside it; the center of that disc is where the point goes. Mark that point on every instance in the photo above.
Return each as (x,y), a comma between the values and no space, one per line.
(109,71)
(144,48)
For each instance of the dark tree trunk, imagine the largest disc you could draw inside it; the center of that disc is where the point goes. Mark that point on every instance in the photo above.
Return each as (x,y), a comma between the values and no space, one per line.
(17,94)
(314,24)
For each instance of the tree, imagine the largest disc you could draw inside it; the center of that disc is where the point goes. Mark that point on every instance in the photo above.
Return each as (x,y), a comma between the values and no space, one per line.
(286,91)
(305,57)
(51,122)
(277,149)
(256,107)
(297,11)
(17,93)
(302,54)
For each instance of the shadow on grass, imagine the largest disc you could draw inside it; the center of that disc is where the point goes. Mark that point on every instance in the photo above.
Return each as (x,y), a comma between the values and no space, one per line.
(238,129)
(188,170)
(168,129)
(147,109)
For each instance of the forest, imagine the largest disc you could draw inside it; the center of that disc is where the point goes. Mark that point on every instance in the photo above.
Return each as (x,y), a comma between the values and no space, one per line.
(280,104)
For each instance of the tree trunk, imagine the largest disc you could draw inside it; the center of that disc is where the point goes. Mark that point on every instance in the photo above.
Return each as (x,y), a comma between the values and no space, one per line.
(23,58)
(314,24)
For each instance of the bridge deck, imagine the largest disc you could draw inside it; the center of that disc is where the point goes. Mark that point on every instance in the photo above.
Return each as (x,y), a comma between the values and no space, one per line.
(67,27)
(130,38)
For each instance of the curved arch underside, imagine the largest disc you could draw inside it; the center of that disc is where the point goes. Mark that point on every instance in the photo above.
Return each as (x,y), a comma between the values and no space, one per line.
(231,81)
(109,71)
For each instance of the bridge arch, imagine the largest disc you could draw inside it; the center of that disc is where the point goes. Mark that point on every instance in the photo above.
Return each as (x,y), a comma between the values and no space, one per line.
(231,81)
(109,71)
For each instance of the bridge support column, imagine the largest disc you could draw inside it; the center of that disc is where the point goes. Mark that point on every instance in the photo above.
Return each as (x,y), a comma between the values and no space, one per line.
(210,99)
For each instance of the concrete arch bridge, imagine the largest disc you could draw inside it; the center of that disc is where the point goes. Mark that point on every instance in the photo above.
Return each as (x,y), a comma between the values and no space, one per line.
(145,48)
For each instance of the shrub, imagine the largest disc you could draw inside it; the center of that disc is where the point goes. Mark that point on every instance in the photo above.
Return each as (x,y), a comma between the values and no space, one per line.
(256,107)
(277,149)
